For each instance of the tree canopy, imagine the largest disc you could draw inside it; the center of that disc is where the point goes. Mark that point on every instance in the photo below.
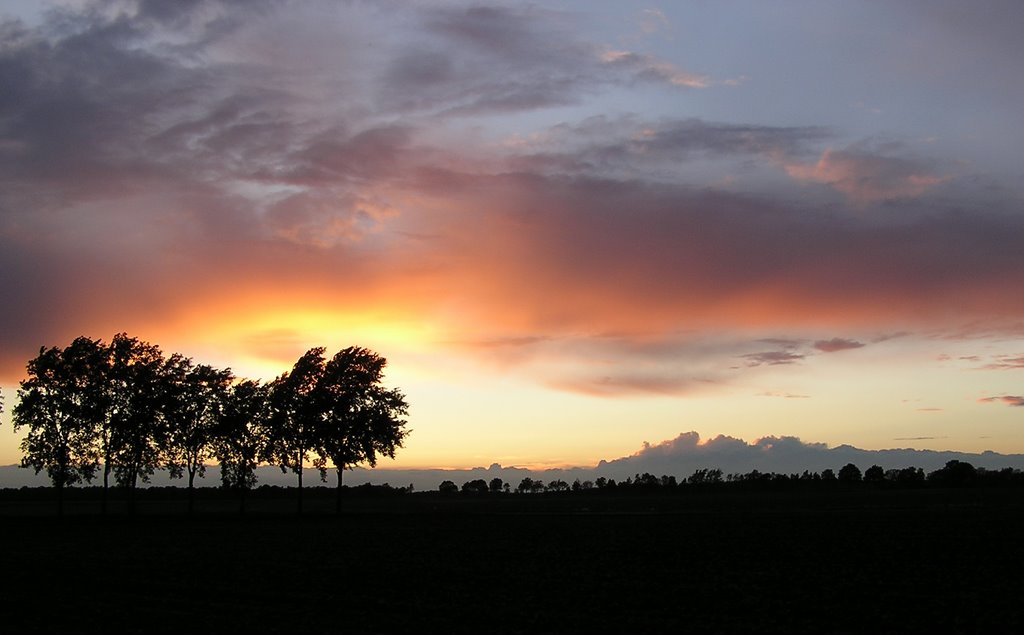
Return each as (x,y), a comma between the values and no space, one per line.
(360,419)
(62,403)
(196,396)
(334,412)
(242,434)
(128,407)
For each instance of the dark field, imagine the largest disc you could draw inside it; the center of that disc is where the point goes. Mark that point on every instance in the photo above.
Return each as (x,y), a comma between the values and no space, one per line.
(753,561)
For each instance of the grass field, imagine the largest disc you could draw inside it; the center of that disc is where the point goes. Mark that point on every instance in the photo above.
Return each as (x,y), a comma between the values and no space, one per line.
(901,561)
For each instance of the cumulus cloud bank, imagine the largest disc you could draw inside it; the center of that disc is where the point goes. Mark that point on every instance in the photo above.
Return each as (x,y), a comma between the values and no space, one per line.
(679,457)
(683,455)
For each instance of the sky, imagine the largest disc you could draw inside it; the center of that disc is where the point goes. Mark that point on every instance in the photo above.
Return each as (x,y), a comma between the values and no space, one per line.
(572,228)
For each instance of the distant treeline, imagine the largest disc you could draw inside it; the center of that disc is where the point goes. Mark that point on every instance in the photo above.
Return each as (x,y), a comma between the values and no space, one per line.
(954,474)
(126,409)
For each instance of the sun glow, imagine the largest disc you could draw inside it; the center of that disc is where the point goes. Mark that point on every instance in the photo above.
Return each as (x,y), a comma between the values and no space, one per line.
(262,341)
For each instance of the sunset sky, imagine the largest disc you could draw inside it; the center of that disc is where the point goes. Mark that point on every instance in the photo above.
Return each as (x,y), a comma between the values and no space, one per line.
(571,227)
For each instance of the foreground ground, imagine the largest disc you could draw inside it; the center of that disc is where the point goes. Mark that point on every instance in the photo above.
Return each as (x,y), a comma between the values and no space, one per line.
(923,561)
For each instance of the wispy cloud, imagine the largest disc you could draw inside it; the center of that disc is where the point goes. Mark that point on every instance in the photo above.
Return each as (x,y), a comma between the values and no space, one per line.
(783,395)
(1009,400)
(867,177)
(653,20)
(773,358)
(630,385)
(1005,362)
(837,344)
(624,145)
(649,68)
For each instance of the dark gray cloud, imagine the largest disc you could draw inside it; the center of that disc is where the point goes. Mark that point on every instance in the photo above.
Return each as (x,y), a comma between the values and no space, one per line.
(837,344)
(480,60)
(601,145)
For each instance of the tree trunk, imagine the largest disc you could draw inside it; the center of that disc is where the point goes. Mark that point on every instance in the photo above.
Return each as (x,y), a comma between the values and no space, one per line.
(106,467)
(300,483)
(191,490)
(131,493)
(106,483)
(131,498)
(337,501)
(62,478)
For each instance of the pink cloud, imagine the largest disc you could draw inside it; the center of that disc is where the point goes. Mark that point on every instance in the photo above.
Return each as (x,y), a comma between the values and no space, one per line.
(1006,362)
(1009,400)
(867,177)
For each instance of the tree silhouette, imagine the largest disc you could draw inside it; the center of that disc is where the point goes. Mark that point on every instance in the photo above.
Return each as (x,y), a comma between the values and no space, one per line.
(874,474)
(849,473)
(194,400)
(956,473)
(704,475)
(447,487)
(358,419)
(496,485)
(242,436)
(476,486)
(528,485)
(137,398)
(906,475)
(294,417)
(61,405)
(133,409)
